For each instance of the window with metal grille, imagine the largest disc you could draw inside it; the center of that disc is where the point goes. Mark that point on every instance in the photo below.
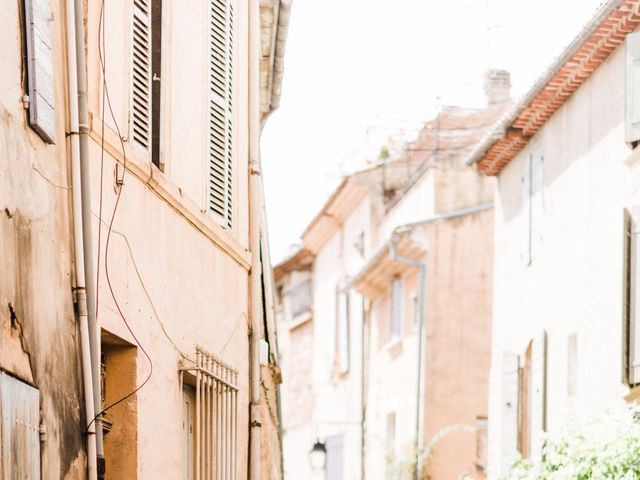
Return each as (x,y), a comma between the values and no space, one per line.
(220,201)
(210,421)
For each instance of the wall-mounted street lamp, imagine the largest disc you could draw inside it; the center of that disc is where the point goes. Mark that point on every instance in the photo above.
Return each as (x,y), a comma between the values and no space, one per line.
(318,456)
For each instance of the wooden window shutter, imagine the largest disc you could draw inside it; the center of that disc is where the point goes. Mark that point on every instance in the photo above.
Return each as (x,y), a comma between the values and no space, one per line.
(220,200)
(537,203)
(633,315)
(525,239)
(40,69)
(343,332)
(509,412)
(19,429)
(141,74)
(538,396)
(632,89)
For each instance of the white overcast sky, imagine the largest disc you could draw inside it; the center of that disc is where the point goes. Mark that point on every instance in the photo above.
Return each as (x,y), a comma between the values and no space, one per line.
(357,69)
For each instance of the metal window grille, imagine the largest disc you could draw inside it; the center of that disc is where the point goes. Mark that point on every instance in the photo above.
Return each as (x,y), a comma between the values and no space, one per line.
(216,415)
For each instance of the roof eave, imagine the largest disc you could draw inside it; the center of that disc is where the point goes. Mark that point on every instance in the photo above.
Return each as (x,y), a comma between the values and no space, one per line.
(506,127)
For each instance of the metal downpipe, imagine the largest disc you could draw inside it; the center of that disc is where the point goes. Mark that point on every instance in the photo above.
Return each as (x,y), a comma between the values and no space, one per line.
(76,195)
(255,222)
(421,318)
(90,276)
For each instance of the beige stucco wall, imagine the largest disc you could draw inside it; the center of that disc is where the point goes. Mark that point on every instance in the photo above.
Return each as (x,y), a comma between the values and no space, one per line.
(575,284)
(179,279)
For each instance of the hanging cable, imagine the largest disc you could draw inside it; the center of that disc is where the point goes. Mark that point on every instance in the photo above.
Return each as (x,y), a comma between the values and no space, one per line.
(105,96)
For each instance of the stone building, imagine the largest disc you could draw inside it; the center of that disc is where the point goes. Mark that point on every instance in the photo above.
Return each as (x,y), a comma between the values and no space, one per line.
(134,279)
(565,322)
(385,312)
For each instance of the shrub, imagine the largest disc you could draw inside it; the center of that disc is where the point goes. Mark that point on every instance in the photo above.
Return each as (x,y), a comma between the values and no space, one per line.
(607,448)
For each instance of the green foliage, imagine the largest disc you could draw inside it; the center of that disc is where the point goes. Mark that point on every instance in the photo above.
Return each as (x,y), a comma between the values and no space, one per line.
(607,448)
(384,153)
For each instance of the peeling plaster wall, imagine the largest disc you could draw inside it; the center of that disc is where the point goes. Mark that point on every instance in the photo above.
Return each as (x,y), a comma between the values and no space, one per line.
(38,335)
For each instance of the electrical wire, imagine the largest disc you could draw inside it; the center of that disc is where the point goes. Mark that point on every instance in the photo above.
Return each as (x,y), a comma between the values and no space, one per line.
(105,93)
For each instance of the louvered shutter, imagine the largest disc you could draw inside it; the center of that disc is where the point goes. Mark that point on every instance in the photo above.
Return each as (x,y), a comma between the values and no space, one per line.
(632,88)
(40,69)
(538,395)
(509,412)
(141,74)
(634,300)
(537,203)
(220,110)
(343,332)
(525,239)
(19,429)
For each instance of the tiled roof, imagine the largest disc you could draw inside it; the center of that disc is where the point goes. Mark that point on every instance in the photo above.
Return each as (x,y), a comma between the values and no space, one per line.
(604,34)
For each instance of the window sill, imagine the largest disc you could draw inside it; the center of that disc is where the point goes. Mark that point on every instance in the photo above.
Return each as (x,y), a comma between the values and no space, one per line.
(393,347)
(300,320)
(633,395)
(633,157)
(163,187)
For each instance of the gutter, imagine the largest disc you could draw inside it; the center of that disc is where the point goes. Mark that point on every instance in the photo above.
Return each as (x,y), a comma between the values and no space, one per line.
(408,226)
(277,71)
(284,13)
(505,124)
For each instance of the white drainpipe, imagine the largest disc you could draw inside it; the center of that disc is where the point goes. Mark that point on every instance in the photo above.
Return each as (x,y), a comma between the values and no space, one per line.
(255,222)
(81,293)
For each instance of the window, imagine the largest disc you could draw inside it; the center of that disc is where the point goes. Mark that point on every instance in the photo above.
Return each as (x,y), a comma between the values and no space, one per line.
(118,379)
(39,63)
(209,419)
(532,207)
(631,289)
(220,200)
(632,89)
(342,330)
(481,443)
(334,466)
(524,404)
(523,409)
(396,307)
(146,69)
(572,364)
(300,298)
(390,437)
(19,429)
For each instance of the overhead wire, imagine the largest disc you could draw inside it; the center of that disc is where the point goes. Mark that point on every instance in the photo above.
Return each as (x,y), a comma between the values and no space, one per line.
(105,96)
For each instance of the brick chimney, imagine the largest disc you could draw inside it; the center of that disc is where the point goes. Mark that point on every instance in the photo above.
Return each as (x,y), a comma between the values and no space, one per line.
(497,84)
